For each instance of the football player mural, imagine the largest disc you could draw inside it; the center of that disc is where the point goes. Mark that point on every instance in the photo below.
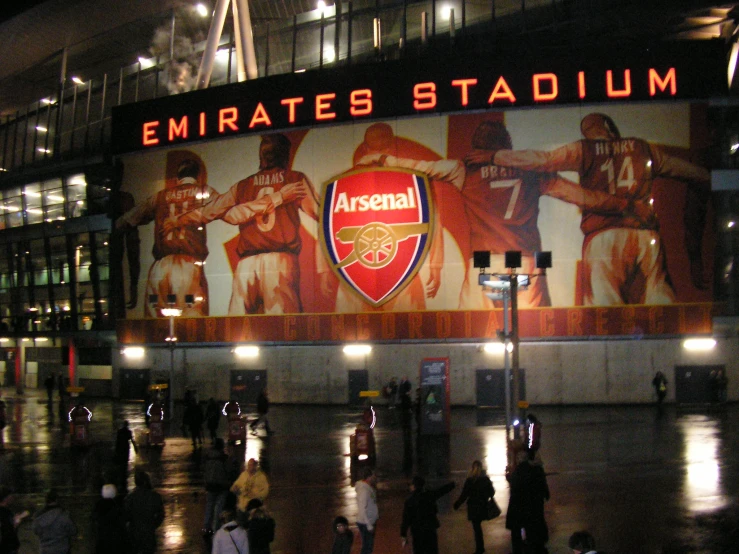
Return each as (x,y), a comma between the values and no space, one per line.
(179,255)
(405,203)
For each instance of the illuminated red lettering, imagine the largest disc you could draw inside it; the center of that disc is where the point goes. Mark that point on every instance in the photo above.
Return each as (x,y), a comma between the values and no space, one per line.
(424,96)
(361,102)
(227,117)
(628,320)
(656,82)
(150,133)
(387,326)
(322,106)
(202,124)
(291,103)
(553,86)
(290,323)
(624,92)
(260,117)
(415,320)
(546,323)
(176,130)
(581,84)
(502,92)
(656,321)
(574,322)
(601,321)
(363,332)
(464,84)
(443,325)
(337,327)
(314,327)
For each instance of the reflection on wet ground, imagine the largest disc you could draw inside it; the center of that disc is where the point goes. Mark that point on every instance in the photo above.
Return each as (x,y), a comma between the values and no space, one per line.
(639,480)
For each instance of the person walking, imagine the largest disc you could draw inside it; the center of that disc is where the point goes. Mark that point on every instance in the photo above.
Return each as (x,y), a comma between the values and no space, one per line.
(261,527)
(262,409)
(582,542)
(53,527)
(123,442)
(419,515)
(144,513)
(212,419)
(194,421)
(367,512)
(231,538)
(660,386)
(109,523)
(252,483)
(9,543)
(343,536)
(525,517)
(216,485)
(477,491)
(49,384)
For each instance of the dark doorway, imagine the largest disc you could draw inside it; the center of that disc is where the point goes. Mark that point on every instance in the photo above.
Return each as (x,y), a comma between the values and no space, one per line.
(491,387)
(134,384)
(693,383)
(358,382)
(246,385)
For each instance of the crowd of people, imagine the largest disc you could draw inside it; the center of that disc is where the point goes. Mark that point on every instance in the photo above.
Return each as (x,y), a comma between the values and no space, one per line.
(236,520)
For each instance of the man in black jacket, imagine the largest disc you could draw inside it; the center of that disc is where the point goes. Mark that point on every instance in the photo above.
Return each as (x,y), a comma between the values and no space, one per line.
(419,514)
(525,517)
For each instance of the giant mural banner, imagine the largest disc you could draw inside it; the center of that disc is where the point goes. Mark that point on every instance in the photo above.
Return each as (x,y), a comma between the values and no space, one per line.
(366,231)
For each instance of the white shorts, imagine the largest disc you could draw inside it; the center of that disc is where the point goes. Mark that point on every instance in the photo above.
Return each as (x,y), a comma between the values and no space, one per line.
(625,266)
(179,275)
(266,283)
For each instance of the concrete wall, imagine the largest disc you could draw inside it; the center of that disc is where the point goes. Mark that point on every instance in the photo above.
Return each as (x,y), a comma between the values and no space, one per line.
(597,372)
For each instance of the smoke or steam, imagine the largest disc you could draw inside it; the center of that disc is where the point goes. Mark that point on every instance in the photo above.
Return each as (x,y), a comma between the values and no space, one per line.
(189,30)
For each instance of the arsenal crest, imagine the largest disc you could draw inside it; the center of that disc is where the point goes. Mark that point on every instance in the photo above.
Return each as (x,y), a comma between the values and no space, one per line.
(376,226)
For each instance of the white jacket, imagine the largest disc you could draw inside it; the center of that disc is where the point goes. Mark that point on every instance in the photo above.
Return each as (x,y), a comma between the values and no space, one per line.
(366,505)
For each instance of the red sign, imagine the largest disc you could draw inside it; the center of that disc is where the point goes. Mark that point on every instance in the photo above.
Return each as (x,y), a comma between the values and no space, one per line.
(547,323)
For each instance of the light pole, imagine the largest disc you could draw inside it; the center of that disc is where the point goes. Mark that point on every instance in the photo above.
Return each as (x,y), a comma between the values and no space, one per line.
(505,287)
(171,312)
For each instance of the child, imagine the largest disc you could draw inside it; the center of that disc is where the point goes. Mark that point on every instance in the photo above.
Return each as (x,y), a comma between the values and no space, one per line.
(343,536)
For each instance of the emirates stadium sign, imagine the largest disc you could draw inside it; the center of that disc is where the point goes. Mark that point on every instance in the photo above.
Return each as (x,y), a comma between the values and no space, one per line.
(395,89)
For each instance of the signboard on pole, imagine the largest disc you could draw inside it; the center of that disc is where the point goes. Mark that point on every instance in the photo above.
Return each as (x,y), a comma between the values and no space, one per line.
(435,399)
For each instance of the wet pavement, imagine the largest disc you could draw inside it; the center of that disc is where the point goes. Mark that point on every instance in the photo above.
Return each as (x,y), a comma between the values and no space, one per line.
(639,480)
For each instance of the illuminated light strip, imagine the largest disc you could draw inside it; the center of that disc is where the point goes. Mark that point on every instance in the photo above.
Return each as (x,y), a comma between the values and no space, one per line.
(699,345)
(133,352)
(357,349)
(246,351)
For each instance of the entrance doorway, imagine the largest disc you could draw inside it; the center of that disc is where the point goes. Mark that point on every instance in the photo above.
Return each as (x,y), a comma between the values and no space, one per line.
(246,384)
(491,387)
(693,383)
(358,382)
(134,384)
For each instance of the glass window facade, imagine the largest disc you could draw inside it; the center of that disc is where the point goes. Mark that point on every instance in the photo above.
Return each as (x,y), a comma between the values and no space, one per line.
(52,282)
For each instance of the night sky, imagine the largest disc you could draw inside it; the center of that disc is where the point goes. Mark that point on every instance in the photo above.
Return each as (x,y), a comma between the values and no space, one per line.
(9,9)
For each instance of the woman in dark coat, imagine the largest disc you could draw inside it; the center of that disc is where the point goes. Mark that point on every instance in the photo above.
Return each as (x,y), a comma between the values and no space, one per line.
(109,524)
(477,490)
(525,517)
